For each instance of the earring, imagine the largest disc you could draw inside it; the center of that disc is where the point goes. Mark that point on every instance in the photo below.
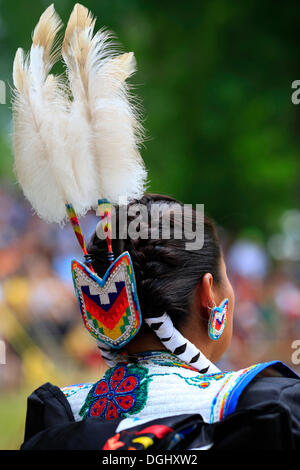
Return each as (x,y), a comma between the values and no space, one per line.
(217,320)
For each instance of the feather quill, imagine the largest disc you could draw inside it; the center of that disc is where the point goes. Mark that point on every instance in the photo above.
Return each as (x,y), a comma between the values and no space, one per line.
(102,110)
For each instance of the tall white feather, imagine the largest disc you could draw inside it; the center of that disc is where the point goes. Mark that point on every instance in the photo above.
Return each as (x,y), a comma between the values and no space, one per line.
(102,114)
(43,165)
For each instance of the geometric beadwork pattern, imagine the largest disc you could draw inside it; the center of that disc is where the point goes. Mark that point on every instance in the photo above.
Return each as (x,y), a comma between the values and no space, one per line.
(109,307)
(217,320)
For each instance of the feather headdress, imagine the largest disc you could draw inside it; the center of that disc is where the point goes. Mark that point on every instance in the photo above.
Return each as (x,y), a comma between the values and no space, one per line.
(75,141)
(76,147)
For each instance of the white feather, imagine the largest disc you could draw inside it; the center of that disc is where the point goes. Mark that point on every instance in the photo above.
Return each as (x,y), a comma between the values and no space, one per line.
(43,162)
(101,101)
(75,151)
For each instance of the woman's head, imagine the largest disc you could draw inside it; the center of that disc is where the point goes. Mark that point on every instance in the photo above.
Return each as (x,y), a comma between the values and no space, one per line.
(171,278)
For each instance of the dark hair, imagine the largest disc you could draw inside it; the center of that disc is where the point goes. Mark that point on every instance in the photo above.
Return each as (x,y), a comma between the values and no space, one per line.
(166,272)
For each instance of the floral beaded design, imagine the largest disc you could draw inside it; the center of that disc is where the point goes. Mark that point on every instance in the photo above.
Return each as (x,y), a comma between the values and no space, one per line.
(122,390)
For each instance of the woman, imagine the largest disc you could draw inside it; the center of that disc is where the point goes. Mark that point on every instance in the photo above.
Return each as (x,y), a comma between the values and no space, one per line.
(151,397)
(162,311)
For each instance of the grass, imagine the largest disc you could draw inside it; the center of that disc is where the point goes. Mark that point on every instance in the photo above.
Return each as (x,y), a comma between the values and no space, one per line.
(12,419)
(13,404)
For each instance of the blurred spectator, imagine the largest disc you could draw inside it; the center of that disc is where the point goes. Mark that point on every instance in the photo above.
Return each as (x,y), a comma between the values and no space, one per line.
(248,259)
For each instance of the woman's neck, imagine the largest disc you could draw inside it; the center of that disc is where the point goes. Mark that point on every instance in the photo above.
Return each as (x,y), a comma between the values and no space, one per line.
(144,342)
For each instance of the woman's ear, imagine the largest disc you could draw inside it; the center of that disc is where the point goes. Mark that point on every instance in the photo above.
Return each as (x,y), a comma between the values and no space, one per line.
(206,291)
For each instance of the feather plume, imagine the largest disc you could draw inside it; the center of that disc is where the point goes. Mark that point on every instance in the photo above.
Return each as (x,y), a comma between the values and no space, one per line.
(102,112)
(43,164)
(75,151)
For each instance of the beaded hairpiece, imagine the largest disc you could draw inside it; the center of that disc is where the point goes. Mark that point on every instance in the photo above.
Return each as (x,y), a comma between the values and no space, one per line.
(109,306)
(66,155)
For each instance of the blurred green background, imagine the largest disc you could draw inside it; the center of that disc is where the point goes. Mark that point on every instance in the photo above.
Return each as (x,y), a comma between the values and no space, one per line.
(215,81)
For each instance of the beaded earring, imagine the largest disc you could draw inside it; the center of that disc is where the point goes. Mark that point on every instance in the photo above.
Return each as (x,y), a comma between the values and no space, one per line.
(217,320)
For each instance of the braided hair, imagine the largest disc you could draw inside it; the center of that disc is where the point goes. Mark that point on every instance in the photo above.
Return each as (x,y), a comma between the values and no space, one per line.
(166,272)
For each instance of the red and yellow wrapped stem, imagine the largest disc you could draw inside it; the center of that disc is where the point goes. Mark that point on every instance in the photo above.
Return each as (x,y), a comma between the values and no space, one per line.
(104,210)
(77,230)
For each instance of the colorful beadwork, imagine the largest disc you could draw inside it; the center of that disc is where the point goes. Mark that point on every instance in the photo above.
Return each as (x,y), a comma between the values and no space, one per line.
(71,390)
(122,390)
(76,227)
(220,400)
(149,387)
(217,321)
(104,211)
(78,232)
(109,306)
(141,439)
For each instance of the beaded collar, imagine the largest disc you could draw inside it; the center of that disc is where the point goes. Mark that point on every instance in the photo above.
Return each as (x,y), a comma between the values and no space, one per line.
(157,384)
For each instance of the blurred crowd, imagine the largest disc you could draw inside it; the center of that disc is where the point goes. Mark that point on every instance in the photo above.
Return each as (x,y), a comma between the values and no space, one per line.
(267,310)
(39,317)
(40,322)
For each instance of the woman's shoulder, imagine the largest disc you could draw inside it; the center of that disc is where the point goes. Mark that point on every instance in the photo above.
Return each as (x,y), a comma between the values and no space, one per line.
(235,384)
(278,386)
(262,389)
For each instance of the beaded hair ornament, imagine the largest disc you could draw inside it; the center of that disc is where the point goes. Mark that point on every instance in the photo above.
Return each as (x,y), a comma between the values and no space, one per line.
(76,148)
(76,145)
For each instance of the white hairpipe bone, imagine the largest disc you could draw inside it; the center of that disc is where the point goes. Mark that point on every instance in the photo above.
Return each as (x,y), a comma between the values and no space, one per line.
(177,344)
